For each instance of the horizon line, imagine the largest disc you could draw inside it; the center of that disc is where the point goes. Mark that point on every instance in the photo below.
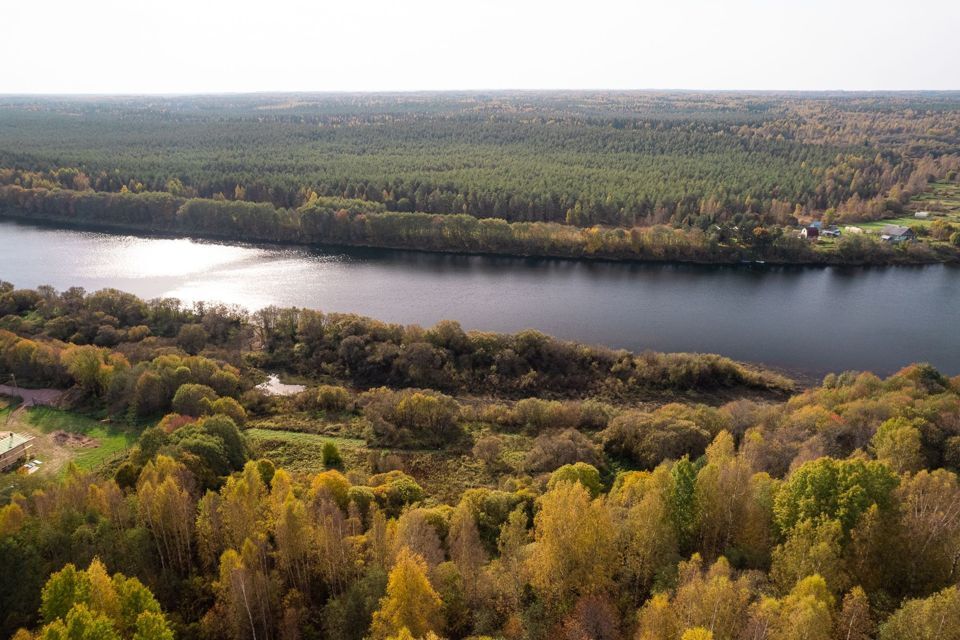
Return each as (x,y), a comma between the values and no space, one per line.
(267,92)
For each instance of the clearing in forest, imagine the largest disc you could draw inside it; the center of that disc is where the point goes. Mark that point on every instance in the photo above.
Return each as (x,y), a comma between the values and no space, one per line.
(62,436)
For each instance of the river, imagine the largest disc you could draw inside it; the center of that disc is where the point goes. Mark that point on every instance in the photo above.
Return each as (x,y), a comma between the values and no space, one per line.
(806,321)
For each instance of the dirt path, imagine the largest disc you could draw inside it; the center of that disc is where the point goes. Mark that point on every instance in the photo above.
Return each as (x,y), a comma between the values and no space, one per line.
(32,397)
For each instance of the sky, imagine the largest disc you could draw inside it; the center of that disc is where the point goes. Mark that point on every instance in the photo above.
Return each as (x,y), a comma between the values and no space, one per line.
(215,46)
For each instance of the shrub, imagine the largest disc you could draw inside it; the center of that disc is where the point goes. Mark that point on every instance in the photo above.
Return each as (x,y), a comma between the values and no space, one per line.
(585,474)
(225,383)
(331,455)
(225,429)
(173,421)
(487,449)
(394,490)
(229,407)
(595,415)
(192,338)
(138,333)
(332,398)
(193,399)
(647,439)
(537,415)
(558,448)
(411,418)
(108,336)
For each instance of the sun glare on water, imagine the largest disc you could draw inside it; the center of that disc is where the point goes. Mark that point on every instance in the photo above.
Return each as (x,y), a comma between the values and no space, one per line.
(169,257)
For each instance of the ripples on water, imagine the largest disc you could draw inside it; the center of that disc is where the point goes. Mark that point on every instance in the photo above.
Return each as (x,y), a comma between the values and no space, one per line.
(809,320)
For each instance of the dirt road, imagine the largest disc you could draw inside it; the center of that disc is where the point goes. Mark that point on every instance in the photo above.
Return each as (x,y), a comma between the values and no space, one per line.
(32,397)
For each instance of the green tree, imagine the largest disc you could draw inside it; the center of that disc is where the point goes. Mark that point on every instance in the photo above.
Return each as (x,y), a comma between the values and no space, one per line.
(80,623)
(835,489)
(64,589)
(90,605)
(897,443)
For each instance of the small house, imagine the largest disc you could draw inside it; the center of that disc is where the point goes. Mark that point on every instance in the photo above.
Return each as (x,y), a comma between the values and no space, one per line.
(810,233)
(922,215)
(896,233)
(13,448)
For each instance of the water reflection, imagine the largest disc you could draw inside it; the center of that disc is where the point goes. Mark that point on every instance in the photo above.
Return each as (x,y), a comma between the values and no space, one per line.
(804,319)
(274,387)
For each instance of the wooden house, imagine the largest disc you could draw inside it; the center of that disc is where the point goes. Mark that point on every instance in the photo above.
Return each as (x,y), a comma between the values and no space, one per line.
(13,449)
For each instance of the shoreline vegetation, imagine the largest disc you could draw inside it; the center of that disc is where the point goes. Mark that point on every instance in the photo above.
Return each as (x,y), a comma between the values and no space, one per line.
(430,483)
(312,344)
(358,223)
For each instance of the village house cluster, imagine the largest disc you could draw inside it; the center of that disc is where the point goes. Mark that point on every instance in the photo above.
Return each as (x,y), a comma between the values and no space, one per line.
(893,233)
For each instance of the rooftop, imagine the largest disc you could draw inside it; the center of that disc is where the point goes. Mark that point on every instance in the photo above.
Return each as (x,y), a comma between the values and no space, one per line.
(894,230)
(10,440)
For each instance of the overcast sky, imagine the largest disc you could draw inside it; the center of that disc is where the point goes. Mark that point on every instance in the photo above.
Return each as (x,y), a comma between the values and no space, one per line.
(193,46)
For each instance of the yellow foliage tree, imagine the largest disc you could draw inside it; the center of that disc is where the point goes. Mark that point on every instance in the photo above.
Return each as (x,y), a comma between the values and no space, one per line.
(574,552)
(411,603)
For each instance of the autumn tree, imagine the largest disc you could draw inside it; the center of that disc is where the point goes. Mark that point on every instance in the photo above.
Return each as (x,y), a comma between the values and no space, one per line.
(647,537)
(812,548)
(806,613)
(571,556)
(91,605)
(410,604)
(930,519)
(714,599)
(466,550)
(855,619)
(897,443)
(166,507)
(936,617)
(247,592)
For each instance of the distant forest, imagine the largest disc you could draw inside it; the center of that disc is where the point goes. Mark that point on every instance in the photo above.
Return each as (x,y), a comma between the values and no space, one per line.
(615,159)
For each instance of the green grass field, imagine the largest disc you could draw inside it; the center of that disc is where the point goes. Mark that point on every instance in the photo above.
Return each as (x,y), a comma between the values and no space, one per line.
(110,439)
(906,221)
(942,200)
(942,197)
(298,437)
(303,452)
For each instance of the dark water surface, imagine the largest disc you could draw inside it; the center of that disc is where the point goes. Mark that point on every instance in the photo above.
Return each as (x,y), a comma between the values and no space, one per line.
(805,320)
